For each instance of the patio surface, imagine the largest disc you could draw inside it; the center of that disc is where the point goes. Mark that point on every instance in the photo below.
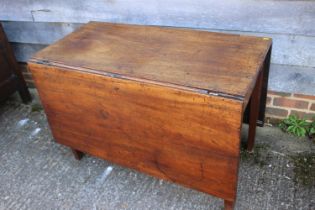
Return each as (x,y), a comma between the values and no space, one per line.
(37,173)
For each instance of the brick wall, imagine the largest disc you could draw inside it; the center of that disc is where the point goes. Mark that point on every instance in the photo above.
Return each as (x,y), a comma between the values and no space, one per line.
(279,104)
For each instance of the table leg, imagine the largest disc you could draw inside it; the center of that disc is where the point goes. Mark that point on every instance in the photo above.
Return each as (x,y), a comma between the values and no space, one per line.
(24,94)
(254,112)
(77,154)
(229,205)
(264,89)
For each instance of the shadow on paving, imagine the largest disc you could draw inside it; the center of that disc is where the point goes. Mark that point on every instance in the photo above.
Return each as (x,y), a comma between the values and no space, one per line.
(37,173)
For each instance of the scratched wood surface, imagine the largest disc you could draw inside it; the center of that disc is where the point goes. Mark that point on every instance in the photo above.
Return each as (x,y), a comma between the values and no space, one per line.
(165,132)
(214,62)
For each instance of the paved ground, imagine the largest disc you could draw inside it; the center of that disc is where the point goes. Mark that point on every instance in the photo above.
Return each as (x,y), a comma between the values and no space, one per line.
(37,173)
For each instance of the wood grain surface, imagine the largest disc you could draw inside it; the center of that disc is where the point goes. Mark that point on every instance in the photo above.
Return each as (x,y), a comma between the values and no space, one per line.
(185,137)
(215,62)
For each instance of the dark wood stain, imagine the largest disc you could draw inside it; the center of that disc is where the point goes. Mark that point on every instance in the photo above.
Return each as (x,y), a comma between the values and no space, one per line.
(11,78)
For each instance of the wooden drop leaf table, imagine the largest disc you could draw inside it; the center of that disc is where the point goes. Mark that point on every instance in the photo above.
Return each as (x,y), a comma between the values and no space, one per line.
(167,102)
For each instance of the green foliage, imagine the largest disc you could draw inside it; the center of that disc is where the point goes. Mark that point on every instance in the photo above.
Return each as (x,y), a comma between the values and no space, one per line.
(296,126)
(311,131)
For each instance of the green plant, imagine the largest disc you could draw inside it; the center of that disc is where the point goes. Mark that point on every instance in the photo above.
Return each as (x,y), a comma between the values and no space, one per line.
(311,131)
(296,126)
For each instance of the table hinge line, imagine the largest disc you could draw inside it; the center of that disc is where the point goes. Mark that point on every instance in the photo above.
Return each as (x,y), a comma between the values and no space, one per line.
(236,97)
(43,62)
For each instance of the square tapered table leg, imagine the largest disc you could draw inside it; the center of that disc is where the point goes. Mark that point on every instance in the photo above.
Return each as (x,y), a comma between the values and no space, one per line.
(254,112)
